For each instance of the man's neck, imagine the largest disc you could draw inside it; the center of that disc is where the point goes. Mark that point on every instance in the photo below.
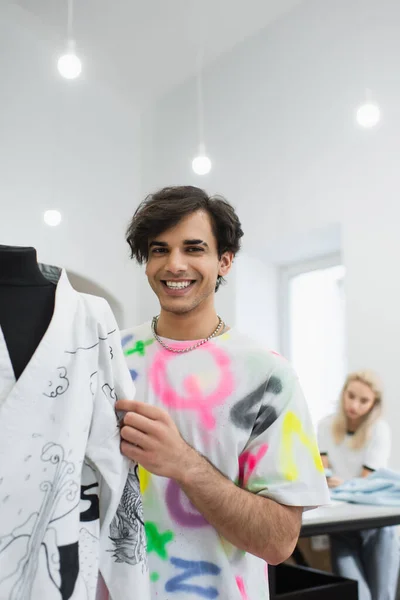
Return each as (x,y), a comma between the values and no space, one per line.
(188,326)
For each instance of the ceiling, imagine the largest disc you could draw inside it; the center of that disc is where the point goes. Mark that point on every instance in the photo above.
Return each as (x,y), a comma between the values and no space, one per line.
(145,47)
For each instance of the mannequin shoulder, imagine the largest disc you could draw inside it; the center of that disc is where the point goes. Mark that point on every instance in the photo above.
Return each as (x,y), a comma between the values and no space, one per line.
(95,306)
(95,313)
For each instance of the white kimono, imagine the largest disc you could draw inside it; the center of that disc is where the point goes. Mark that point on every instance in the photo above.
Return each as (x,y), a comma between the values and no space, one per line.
(61,466)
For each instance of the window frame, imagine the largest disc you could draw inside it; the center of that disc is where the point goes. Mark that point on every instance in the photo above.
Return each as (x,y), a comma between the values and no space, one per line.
(287,272)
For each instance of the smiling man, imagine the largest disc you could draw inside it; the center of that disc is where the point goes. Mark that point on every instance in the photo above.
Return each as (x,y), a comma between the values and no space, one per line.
(221,429)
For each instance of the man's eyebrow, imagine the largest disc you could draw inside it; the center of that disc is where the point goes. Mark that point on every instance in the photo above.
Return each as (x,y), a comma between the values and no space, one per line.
(155,243)
(195,243)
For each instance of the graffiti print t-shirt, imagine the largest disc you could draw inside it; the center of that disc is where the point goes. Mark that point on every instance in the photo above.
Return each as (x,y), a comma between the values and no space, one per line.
(240,406)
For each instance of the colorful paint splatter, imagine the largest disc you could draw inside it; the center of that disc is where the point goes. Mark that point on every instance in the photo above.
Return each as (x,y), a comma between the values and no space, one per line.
(242,408)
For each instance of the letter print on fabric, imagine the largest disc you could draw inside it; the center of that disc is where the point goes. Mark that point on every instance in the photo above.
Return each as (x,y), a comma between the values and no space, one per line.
(194,398)
(249,413)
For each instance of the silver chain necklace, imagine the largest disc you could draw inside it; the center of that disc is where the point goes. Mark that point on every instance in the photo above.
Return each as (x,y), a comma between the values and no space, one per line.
(189,348)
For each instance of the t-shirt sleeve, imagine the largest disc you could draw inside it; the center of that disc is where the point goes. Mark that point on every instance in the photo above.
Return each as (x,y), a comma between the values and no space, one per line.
(377,452)
(281,460)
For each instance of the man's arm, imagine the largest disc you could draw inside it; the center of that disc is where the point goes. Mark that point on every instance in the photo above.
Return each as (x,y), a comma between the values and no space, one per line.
(252,523)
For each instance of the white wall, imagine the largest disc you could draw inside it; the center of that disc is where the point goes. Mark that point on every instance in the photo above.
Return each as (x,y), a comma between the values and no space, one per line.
(280,130)
(256,299)
(73,146)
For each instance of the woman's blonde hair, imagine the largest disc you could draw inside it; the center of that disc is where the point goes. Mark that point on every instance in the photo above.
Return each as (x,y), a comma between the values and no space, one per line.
(363,432)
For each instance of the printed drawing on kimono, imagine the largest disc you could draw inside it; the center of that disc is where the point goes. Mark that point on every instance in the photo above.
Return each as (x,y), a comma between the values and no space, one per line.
(33,544)
(127,530)
(33,559)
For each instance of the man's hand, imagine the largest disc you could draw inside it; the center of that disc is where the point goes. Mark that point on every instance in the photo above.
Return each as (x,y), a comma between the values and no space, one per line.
(151,438)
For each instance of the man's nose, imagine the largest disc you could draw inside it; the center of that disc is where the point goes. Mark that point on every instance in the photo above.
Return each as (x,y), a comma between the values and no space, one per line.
(176,262)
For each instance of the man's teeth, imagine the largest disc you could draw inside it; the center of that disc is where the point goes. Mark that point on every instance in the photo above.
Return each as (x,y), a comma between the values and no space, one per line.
(178,285)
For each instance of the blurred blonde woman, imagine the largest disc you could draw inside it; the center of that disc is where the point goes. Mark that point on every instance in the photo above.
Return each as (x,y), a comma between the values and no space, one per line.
(354,442)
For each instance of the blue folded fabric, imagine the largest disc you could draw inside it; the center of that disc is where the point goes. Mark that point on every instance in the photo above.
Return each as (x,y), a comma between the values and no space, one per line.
(381,487)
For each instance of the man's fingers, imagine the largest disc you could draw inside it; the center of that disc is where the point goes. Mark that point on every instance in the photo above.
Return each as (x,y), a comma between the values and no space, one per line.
(144,424)
(132,452)
(135,437)
(141,408)
(125,405)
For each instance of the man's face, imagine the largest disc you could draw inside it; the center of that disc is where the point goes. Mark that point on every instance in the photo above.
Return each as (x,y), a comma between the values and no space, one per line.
(183,264)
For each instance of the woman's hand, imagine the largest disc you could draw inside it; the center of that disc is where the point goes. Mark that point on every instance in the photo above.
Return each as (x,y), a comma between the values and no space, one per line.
(334,481)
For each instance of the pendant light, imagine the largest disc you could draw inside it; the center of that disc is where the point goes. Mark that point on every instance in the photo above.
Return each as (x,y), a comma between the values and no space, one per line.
(368,114)
(69,64)
(201,164)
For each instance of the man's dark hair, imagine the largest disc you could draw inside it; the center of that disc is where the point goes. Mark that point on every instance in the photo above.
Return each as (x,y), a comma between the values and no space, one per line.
(164,209)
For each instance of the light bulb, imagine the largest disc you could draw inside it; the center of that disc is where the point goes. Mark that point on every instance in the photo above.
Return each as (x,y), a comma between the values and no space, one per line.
(69,64)
(201,165)
(52,218)
(368,115)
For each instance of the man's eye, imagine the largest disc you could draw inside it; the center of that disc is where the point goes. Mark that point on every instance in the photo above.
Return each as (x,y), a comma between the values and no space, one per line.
(159,250)
(195,249)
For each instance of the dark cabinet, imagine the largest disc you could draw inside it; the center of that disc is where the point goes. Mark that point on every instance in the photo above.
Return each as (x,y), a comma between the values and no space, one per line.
(302,583)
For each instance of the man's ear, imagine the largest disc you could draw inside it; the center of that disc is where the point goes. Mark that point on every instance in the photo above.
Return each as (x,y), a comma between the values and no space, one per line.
(225,263)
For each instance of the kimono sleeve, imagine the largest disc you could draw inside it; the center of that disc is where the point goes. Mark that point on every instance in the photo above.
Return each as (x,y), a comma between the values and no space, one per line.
(281,460)
(122,560)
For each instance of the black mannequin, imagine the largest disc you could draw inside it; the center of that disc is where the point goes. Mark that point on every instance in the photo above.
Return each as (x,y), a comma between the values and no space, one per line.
(26,304)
